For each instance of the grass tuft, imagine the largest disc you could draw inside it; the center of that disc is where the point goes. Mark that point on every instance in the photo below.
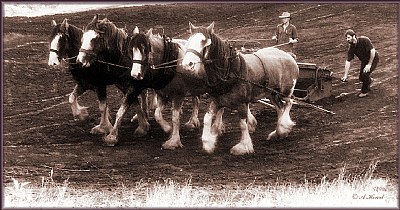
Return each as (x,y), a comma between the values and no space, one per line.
(344,191)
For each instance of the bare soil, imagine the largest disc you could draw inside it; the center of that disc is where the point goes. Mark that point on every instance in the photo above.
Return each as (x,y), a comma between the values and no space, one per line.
(39,132)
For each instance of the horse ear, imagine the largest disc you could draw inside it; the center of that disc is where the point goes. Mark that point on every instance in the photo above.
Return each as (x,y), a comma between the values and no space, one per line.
(96,17)
(53,23)
(136,30)
(149,32)
(210,28)
(191,27)
(65,24)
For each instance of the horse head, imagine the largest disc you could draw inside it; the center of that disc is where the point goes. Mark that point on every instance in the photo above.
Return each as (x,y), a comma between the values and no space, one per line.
(139,49)
(58,42)
(101,37)
(92,42)
(197,47)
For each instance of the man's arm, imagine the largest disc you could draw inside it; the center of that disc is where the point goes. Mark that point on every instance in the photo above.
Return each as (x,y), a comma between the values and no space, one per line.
(346,70)
(294,38)
(367,68)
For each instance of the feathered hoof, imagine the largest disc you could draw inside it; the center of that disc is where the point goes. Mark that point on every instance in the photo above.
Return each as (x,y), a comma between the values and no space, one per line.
(110,140)
(101,129)
(272,135)
(219,129)
(134,118)
(82,114)
(208,147)
(167,129)
(241,149)
(192,124)
(252,126)
(139,132)
(172,144)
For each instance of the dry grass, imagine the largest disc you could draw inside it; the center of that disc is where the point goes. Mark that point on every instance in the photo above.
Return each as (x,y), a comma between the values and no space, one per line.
(344,191)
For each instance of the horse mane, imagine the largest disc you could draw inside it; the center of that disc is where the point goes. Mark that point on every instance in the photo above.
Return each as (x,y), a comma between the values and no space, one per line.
(110,32)
(136,40)
(114,34)
(220,51)
(220,54)
(76,34)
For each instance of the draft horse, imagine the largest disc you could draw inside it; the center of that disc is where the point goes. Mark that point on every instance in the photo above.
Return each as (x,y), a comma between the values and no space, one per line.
(236,80)
(65,41)
(156,62)
(102,41)
(105,42)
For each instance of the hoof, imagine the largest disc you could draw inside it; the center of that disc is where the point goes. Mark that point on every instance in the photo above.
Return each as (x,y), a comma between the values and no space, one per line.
(241,149)
(167,129)
(208,147)
(192,124)
(139,132)
(110,140)
(101,129)
(219,129)
(82,114)
(252,126)
(272,135)
(172,144)
(134,118)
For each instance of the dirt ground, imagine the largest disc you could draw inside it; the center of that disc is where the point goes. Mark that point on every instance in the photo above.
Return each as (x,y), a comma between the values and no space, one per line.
(39,132)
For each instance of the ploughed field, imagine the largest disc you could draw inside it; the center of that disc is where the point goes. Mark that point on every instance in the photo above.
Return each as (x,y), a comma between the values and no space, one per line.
(40,133)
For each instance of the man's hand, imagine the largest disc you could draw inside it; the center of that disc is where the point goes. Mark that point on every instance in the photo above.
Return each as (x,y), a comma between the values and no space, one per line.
(343,79)
(367,68)
(274,38)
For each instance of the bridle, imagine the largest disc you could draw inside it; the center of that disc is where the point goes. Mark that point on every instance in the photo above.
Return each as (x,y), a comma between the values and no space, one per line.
(56,50)
(143,62)
(92,53)
(89,52)
(203,57)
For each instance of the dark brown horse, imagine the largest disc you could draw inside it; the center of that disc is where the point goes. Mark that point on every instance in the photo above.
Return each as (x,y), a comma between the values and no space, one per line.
(156,62)
(236,79)
(103,46)
(65,41)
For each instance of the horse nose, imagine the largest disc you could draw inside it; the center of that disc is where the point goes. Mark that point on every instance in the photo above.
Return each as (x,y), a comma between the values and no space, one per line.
(189,65)
(138,76)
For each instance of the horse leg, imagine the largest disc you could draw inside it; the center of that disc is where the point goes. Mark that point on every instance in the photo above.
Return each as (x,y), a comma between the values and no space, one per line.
(251,120)
(245,146)
(284,124)
(174,140)
(105,126)
(143,96)
(151,99)
(194,118)
(79,112)
(210,134)
(219,126)
(158,116)
(144,125)
(112,138)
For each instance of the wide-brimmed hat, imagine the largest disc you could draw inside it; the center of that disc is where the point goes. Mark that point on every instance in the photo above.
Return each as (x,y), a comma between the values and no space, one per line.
(285,15)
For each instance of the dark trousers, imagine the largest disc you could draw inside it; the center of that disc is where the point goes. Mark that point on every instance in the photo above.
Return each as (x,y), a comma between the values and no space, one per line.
(365,78)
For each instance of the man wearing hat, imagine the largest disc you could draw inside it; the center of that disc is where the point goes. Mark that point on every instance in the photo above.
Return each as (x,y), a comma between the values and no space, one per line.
(286,34)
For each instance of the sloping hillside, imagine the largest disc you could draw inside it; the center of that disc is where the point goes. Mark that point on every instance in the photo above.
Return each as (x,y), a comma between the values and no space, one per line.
(39,130)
